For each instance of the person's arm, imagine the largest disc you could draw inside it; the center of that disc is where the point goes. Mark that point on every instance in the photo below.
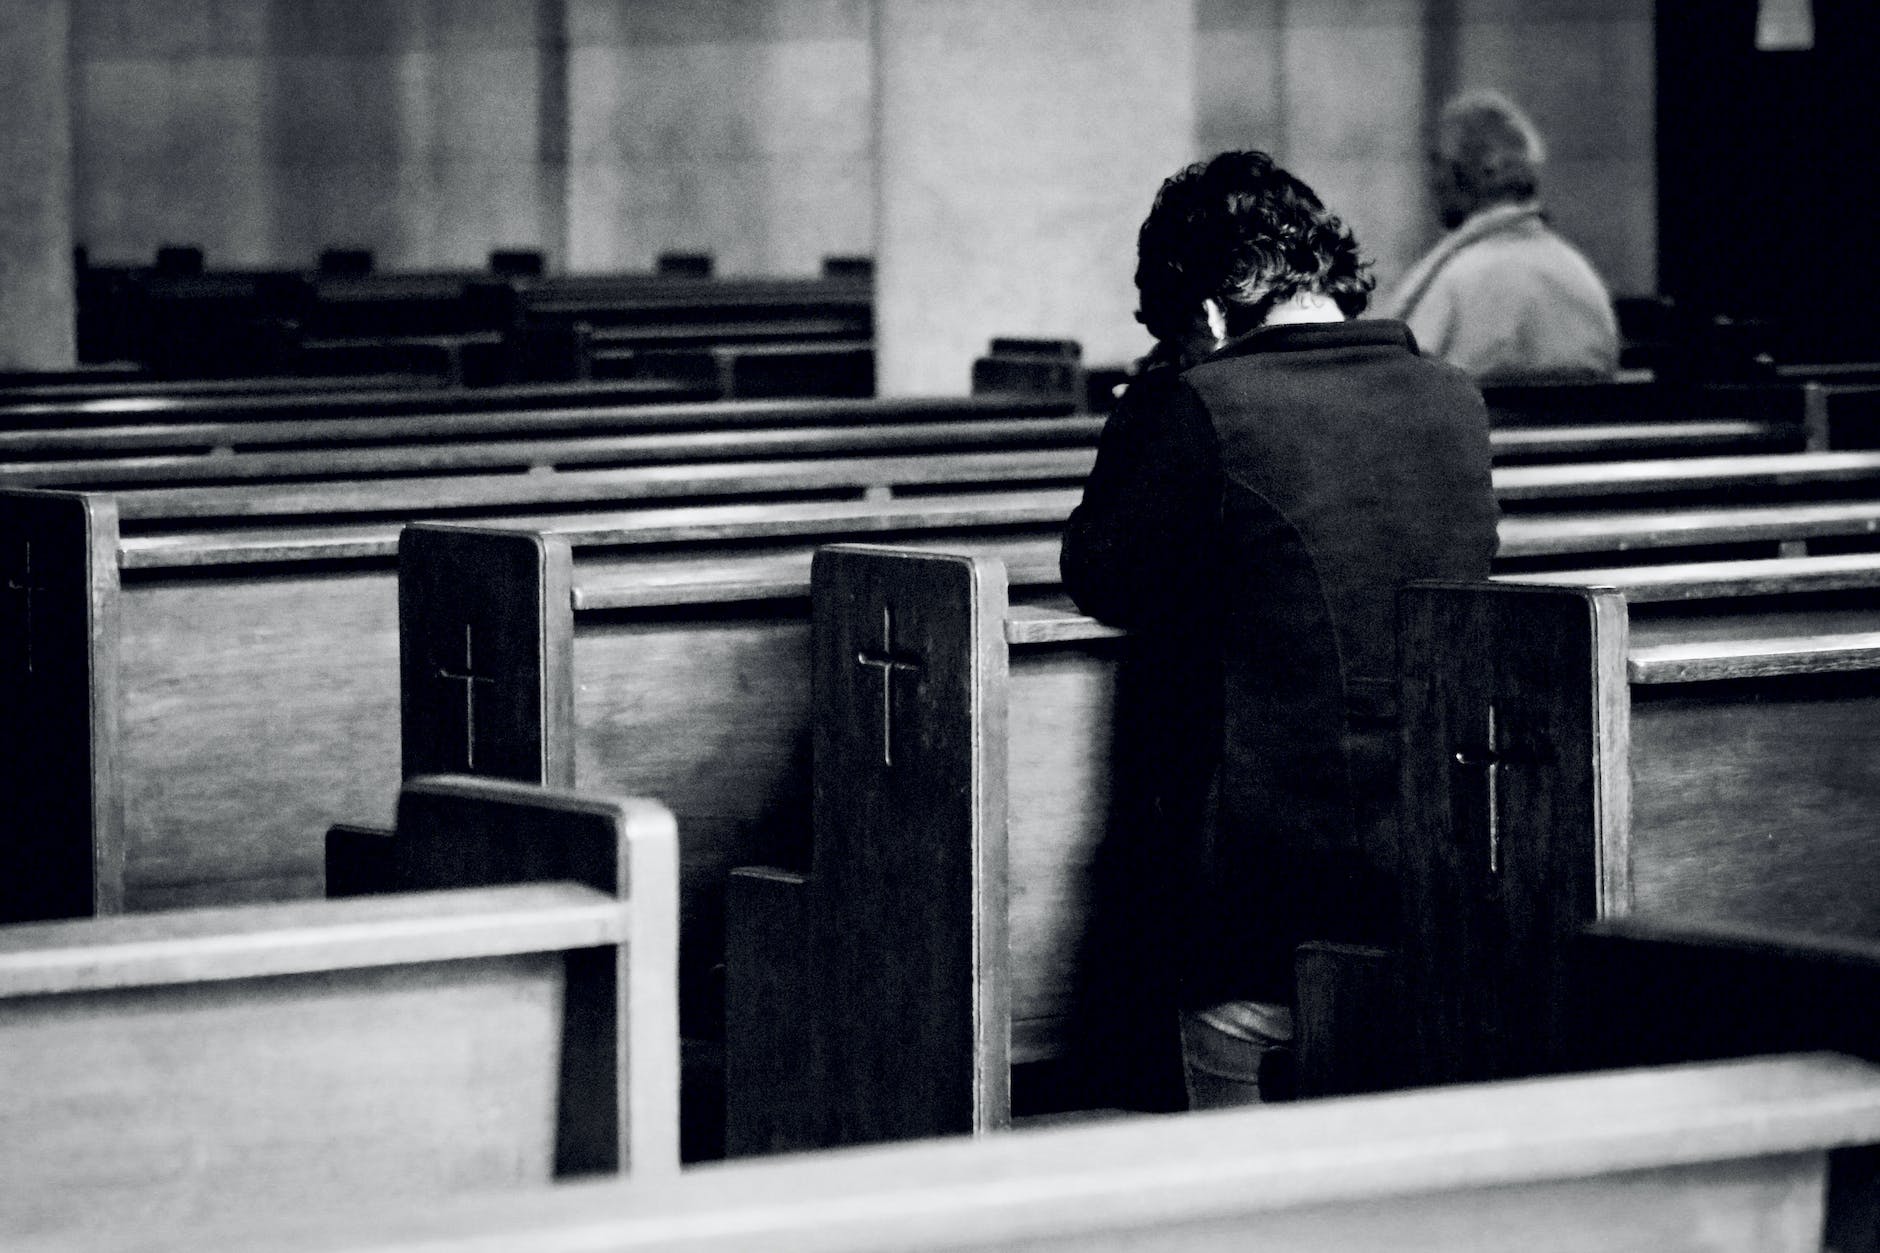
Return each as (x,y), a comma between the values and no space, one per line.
(1139,549)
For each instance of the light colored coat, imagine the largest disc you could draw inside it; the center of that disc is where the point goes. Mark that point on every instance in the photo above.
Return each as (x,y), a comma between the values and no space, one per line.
(1507,300)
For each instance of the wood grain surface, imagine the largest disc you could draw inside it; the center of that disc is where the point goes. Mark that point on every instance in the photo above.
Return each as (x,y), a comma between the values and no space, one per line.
(518,1024)
(1726,1156)
(1513,803)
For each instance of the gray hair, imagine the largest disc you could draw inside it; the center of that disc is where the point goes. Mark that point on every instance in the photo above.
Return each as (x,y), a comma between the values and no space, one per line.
(1494,148)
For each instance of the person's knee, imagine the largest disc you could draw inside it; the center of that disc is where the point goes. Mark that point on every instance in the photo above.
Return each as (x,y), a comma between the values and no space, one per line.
(1238,1053)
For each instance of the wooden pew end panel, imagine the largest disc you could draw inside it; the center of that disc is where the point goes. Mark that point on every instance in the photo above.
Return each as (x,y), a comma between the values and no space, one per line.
(63,856)
(1512,813)
(1350,1032)
(174,1065)
(622,1015)
(771,989)
(624,1003)
(358,861)
(485,629)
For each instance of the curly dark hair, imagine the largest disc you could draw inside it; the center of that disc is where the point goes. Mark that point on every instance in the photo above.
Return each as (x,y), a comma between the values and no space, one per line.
(1244,231)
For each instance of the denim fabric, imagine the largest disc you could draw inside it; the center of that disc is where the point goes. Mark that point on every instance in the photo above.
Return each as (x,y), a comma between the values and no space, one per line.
(1232,1053)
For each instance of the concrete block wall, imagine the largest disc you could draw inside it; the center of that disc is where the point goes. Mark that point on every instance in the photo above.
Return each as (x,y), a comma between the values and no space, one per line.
(36,298)
(1335,90)
(265,130)
(742,128)
(608,131)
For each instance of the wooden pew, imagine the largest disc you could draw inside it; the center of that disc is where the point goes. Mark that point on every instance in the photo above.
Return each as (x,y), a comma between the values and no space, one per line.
(384,472)
(184,674)
(1792,411)
(815,368)
(1618,756)
(19,387)
(1651,988)
(1720,1157)
(962,748)
(303,405)
(571,328)
(1798,405)
(503,1019)
(557,413)
(643,641)
(198,666)
(133,441)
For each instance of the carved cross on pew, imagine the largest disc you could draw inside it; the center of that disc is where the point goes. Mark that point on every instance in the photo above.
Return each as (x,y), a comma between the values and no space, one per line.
(469,678)
(23,586)
(888,662)
(1490,756)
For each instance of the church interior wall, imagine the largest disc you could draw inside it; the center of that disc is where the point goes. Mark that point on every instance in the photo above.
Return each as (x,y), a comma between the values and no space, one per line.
(608,131)
(266,130)
(742,128)
(36,194)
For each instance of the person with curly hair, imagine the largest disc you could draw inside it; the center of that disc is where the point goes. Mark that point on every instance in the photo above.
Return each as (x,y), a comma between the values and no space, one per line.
(1502,295)
(1277,471)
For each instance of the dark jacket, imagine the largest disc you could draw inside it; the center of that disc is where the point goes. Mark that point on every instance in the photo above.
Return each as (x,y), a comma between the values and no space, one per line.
(1250,520)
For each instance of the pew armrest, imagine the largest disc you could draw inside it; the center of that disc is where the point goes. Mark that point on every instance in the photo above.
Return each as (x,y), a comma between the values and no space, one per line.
(358,861)
(1350,1029)
(769,1014)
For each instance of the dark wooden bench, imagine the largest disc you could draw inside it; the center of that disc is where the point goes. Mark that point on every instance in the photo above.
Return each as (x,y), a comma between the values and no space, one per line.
(549,412)
(836,367)
(644,659)
(572,328)
(301,405)
(134,441)
(1729,1155)
(1649,989)
(139,661)
(402,460)
(1654,757)
(430,478)
(88,385)
(962,749)
(1797,410)
(216,650)
(504,1019)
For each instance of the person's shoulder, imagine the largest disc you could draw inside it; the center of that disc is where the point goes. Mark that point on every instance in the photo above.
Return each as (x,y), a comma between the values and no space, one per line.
(1152,383)
(1428,383)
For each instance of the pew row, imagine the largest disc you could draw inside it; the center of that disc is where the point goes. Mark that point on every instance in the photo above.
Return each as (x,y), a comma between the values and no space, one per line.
(303,405)
(505,1019)
(161,441)
(629,653)
(1823,410)
(1725,1156)
(1019,454)
(531,439)
(130,383)
(177,670)
(962,750)
(154,684)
